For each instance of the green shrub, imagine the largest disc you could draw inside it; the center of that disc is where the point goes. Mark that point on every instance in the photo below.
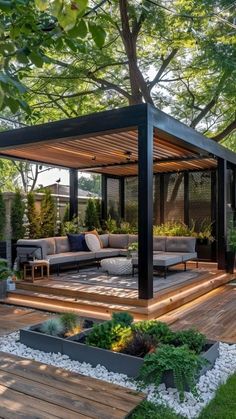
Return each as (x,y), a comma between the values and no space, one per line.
(173,228)
(122,318)
(159,330)
(17,213)
(33,217)
(183,363)
(110,225)
(48,215)
(108,335)
(69,320)
(139,345)
(2,216)
(53,327)
(91,216)
(192,338)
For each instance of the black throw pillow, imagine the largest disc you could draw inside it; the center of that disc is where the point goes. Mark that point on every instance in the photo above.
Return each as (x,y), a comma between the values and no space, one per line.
(77,242)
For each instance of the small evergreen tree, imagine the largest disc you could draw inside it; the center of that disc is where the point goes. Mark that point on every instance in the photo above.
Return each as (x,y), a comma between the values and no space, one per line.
(33,217)
(91,216)
(2,216)
(17,213)
(66,216)
(48,215)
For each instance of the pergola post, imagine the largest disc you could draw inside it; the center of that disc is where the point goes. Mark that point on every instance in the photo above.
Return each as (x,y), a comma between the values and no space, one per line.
(221,212)
(145,209)
(73,193)
(104,197)
(122,198)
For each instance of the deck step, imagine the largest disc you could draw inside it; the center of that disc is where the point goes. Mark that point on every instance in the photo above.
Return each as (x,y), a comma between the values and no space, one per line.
(56,303)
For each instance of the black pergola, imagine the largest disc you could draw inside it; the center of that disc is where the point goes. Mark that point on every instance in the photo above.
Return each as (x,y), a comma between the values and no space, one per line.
(137,140)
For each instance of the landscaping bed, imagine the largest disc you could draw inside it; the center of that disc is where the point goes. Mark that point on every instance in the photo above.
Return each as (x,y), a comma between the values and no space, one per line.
(124,347)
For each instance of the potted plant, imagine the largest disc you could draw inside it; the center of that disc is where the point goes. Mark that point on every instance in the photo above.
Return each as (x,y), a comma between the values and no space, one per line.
(231,245)
(132,249)
(204,240)
(6,274)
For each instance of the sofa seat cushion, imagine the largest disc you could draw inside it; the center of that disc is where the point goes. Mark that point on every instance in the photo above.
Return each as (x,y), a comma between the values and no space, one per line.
(62,244)
(181,244)
(107,253)
(123,252)
(162,260)
(119,241)
(185,256)
(69,257)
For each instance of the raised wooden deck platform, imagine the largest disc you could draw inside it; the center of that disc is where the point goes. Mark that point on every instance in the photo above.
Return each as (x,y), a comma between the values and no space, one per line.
(61,294)
(32,390)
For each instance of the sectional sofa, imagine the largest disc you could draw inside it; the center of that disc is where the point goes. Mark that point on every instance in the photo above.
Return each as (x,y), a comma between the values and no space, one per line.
(57,250)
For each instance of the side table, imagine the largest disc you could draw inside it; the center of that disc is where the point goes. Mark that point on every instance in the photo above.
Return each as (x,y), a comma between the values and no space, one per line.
(35,269)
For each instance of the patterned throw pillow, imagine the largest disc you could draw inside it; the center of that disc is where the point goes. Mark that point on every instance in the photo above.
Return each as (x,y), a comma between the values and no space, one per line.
(96,234)
(92,242)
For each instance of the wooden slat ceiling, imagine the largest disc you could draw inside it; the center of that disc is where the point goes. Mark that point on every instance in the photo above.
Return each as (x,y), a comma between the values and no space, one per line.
(104,153)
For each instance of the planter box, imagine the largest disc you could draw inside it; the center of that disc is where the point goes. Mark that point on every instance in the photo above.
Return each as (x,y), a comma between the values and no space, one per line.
(3,289)
(204,250)
(113,361)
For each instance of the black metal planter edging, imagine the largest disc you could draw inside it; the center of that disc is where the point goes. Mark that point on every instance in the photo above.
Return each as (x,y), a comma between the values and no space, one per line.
(113,361)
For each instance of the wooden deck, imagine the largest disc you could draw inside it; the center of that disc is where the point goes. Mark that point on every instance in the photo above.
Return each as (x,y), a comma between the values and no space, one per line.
(100,301)
(13,318)
(213,314)
(32,390)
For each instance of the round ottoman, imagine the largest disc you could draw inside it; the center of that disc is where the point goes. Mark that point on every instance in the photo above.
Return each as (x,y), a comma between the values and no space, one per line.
(117,266)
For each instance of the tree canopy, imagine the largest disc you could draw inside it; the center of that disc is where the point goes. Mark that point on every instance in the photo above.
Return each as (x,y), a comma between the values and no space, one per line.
(62,58)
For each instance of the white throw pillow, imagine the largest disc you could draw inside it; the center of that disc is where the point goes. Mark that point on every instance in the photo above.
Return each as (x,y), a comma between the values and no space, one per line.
(92,242)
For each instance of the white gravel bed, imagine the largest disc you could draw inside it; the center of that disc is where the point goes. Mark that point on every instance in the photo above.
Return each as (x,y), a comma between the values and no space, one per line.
(225,366)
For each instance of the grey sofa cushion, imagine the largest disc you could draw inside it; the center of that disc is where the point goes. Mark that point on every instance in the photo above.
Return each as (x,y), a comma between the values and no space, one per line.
(159,243)
(181,244)
(133,238)
(185,256)
(118,241)
(50,245)
(104,240)
(162,260)
(69,257)
(107,253)
(62,244)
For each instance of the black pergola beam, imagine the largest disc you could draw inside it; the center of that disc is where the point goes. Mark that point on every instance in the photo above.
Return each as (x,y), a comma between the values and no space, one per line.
(104,197)
(73,194)
(97,124)
(145,209)
(180,134)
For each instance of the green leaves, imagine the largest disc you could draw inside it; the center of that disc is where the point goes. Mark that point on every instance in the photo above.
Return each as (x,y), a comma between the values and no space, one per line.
(42,5)
(98,34)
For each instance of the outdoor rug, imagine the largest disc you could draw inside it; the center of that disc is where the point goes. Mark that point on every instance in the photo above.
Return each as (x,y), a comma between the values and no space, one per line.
(93,276)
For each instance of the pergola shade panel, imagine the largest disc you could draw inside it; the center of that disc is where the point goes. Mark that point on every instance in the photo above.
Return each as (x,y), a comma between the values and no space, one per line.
(110,153)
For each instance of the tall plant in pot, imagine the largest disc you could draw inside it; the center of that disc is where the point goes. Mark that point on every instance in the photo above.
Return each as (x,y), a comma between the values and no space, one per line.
(231,245)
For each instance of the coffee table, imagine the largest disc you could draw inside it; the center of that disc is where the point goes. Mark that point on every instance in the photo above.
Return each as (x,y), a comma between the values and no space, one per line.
(117,266)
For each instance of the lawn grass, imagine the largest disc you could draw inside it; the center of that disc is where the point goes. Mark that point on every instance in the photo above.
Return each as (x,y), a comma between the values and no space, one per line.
(223,406)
